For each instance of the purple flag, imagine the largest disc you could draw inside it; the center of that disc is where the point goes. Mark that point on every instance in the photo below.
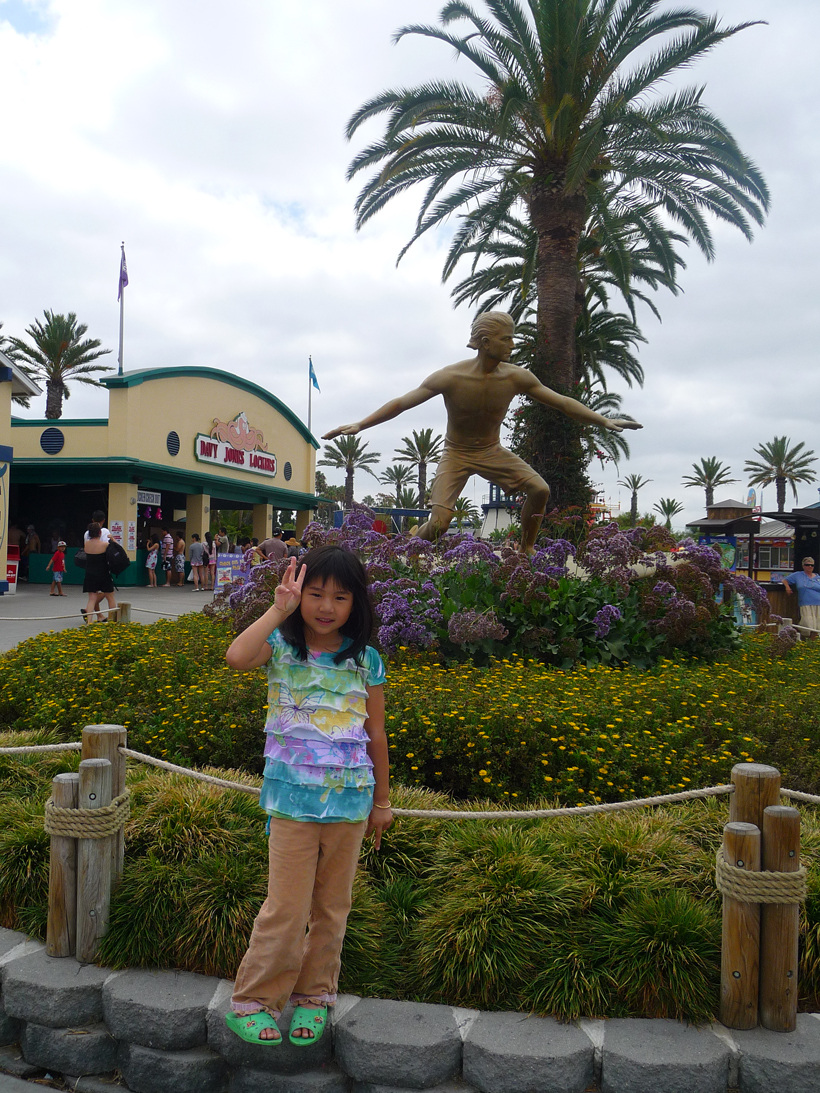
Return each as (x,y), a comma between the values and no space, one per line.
(123,274)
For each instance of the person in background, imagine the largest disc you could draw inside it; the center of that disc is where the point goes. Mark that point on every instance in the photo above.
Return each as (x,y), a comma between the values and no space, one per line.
(98,517)
(223,545)
(257,557)
(807,584)
(295,549)
(97,583)
(196,552)
(179,559)
(274,547)
(151,561)
(167,550)
(57,567)
(211,550)
(31,546)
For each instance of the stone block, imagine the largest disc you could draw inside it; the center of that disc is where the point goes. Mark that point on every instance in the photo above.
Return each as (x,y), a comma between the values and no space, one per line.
(327,1079)
(9,1027)
(406,1044)
(55,991)
(448,1087)
(89,1050)
(162,1009)
(642,1056)
(93,1083)
(10,939)
(284,1058)
(149,1070)
(785,1062)
(514,1053)
(12,1062)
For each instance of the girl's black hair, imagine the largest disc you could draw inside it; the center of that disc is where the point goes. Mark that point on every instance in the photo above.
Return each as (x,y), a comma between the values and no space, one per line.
(343,568)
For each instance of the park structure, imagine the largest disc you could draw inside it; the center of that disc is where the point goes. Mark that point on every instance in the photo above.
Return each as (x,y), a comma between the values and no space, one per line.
(177,443)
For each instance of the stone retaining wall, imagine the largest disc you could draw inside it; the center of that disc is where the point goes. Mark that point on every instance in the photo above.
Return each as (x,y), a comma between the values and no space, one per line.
(165,1032)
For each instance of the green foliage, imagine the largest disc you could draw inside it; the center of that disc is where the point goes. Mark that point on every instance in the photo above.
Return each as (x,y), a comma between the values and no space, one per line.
(781,463)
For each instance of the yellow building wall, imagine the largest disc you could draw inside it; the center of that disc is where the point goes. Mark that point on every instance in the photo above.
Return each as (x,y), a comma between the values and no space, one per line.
(81,441)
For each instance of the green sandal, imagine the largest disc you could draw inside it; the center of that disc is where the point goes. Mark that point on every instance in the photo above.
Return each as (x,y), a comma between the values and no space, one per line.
(247,1026)
(314,1019)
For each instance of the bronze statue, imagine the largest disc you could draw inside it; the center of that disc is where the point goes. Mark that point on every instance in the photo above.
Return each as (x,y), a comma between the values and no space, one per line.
(477,393)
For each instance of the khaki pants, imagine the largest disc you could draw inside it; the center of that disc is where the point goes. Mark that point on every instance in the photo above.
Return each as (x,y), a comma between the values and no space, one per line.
(494,463)
(310,882)
(810,616)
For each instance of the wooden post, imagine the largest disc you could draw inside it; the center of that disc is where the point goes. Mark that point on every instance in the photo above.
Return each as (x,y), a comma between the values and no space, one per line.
(756,787)
(103,742)
(779,923)
(740,947)
(123,615)
(93,862)
(61,929)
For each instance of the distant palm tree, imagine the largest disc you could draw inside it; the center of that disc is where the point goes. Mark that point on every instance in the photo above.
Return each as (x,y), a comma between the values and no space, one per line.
(668,507)
(423,448)
(348,454)
(780,463)
(407,499)
(464,512)
(709,474)
(633,482)
(397,476)
(58,355)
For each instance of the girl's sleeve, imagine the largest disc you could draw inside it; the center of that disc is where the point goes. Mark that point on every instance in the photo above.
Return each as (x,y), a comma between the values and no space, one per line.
(376,673)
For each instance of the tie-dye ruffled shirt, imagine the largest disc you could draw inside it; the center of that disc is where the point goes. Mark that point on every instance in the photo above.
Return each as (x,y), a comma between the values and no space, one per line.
(316,762)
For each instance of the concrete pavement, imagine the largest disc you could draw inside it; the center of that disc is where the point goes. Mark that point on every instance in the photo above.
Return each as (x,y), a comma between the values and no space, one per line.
(32,611)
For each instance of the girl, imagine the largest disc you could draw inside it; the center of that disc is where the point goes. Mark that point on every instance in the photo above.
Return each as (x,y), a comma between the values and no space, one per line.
(151,563)
(325,787)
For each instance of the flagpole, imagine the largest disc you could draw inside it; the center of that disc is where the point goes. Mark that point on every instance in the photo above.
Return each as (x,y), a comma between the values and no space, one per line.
(122,309)
(310,393)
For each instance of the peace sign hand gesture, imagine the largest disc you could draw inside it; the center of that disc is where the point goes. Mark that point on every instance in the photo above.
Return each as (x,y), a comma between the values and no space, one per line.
(288,594)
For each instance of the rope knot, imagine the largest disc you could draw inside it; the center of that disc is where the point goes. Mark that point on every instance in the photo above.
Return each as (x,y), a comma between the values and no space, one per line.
(760,887)
(87,823)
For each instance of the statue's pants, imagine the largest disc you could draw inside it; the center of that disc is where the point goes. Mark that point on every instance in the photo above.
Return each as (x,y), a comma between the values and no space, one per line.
(492,462)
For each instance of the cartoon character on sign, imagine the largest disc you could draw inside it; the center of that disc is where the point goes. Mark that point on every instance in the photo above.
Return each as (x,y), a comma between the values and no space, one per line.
(239,434)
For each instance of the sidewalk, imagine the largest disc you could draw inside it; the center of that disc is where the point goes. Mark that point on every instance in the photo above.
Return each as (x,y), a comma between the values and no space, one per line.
(34,600)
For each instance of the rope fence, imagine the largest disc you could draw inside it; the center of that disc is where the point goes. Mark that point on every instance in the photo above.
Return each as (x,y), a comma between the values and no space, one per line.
(52,618)
(430,813)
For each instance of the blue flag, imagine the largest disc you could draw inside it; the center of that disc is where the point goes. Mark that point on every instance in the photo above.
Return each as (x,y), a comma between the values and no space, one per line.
(123,275)
(313,379)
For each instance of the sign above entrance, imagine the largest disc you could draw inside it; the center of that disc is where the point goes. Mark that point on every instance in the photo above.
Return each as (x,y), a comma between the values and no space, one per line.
(236,444)
(148,497)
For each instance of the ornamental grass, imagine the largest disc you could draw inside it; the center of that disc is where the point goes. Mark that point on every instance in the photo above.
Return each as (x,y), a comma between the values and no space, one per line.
(612,915)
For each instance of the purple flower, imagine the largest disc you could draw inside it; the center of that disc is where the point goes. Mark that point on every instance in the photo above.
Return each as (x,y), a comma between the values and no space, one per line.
(605,618)
(473,626)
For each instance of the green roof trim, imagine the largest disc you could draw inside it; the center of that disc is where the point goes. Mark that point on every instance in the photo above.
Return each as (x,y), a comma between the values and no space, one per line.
(59,422)
(53,470)
(134,379)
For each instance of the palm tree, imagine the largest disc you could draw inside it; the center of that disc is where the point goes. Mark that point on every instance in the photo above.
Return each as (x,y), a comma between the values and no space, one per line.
(58,355)
(668,507)
(422,448)
(348,453)
(780,463)
(397,476)
(464,511)
(570,124)
(597,439)
(633,482)
(708,474)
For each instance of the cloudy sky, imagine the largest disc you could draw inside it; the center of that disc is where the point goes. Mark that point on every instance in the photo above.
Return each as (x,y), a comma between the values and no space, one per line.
(210,138)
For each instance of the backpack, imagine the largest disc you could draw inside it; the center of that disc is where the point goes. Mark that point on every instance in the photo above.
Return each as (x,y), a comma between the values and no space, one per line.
(117,558)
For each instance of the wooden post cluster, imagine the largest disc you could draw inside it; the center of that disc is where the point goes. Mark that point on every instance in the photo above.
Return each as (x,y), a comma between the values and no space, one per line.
(758,976)
(83,872)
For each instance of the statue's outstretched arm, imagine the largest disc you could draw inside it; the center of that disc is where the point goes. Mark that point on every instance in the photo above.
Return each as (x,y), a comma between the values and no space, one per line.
(390,410)
(572,407)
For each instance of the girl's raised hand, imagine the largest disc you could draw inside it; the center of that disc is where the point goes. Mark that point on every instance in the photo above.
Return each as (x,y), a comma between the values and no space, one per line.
(288,594)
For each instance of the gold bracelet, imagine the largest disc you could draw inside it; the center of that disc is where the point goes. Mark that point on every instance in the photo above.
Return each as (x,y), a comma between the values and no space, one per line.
(388,805)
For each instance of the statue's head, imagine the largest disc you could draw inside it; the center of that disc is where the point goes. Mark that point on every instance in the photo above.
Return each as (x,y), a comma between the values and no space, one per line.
(488,323)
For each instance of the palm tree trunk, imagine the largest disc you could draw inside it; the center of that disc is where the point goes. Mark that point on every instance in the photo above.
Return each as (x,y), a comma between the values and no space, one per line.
(422,482)
(54,400)
(398,496)
(780,487)
(710,497)
(633,510)
(349,489)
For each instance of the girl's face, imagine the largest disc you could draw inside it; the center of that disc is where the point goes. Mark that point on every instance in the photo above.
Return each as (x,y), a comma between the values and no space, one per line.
(325,607)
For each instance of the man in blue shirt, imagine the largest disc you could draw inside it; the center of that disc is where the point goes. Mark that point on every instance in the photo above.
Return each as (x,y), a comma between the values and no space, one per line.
(807,584)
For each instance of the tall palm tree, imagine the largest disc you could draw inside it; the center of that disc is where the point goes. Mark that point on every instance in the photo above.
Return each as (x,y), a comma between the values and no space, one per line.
(397,476)
(59,354)
(780,463)
(633,482)
(349,454)
(708,474)
(422,449)
(570,122)
(668,507)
